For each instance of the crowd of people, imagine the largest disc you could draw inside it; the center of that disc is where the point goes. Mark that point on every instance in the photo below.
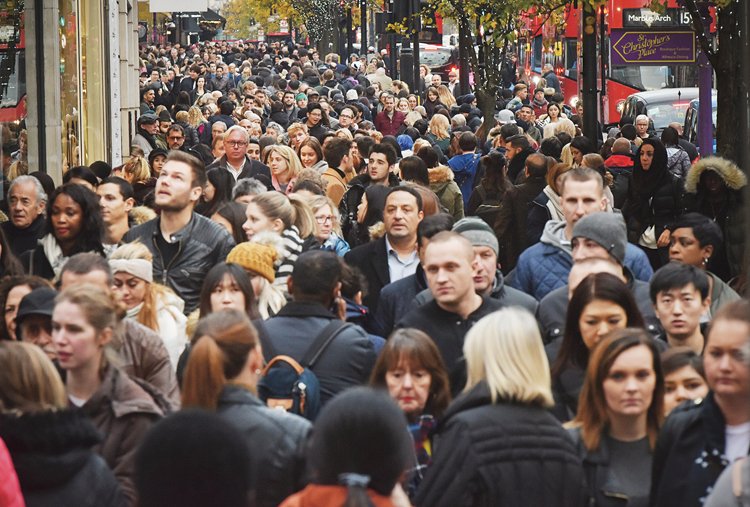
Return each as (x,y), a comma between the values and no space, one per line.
(309,285)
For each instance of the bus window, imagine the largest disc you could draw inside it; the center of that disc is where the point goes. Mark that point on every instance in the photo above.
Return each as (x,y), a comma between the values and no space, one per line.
(571,58)
(537,63)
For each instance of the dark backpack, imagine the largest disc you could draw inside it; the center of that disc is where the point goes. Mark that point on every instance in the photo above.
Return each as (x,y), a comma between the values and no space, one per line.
(490,206)
(291,385)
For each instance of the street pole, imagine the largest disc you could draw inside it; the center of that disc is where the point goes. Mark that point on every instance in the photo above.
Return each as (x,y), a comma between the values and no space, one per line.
(464,46)
(588,21)
(417,26)
(363,45)
(349,34)
(705,86)
(743,151)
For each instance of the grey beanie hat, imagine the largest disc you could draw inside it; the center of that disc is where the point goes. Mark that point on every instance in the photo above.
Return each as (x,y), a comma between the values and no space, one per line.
(607,229)
(477,232)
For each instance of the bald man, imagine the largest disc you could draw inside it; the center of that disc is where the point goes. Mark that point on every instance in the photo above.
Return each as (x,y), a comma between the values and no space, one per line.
(620,165)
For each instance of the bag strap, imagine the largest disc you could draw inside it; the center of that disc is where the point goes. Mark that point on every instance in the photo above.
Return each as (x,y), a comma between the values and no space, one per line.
(268,349)
(324,338)
(286,359)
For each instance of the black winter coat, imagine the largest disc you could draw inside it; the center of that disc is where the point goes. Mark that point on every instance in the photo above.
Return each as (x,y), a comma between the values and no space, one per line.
(202,245)
(502,454)
(277,441)
(53,457)
(689,455)
(660,209)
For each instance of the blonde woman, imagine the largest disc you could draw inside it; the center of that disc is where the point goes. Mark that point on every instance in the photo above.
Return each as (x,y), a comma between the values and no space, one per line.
(438,132)
(285,167)
(501,420)
(446,97)
(289,217)
(137,172)
(152,304)
(34,411)
(327,225)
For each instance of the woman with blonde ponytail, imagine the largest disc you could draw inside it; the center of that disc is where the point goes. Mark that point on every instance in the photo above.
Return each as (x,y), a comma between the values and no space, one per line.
(222,375)
(121,408)
(288,216)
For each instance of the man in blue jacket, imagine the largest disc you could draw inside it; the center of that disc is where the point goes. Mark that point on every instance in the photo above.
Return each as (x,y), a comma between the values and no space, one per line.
(545,266)
(466,165)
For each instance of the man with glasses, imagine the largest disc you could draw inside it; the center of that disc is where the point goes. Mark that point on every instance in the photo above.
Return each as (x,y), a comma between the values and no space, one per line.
(176,138)
(346,119)
(236,160)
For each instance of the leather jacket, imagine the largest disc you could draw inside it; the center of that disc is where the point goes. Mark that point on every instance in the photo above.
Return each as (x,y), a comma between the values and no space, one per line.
(202,245)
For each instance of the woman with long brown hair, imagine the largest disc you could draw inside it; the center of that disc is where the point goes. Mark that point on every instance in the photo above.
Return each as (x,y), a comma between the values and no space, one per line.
(221,376)
(619,416)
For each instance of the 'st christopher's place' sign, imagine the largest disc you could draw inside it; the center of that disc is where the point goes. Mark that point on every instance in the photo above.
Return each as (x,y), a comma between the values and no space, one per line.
(648,47)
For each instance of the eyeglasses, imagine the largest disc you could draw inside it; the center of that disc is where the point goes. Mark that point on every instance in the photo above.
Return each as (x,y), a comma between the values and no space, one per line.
(324,218)
(345,116)
(175,138)
(236,144)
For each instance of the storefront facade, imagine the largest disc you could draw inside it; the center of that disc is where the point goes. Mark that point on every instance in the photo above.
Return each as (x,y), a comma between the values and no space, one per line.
(81,81)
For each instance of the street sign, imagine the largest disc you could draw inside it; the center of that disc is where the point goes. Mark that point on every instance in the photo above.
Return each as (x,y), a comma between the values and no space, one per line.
(630,47)
(646,18)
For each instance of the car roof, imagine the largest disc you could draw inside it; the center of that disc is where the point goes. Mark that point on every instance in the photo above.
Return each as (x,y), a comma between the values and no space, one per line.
(667,95)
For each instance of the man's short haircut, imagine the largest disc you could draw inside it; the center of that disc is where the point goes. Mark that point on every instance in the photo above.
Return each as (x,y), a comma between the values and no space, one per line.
(41,196)
(240,129)
(88,262)
(226,108)
(81,172)
(628,131)
(551,147)
(364,145)
(320,272)
(409,190)
(248,186)
(508,130)
(467,141)
(582,174)
(705,230)
(197,167)
(414,169)
(176,128)
(335,150)
(433,224)
(385,149)
(621,146)
(676,275)
(519,141)
(445,236)
(536,164)
(126,189)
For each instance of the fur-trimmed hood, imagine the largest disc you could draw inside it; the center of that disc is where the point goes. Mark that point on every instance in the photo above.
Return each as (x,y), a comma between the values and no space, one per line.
(732,175)
(440,174)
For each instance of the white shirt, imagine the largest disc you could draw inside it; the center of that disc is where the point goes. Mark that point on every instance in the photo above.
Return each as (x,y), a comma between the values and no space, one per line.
(737,441)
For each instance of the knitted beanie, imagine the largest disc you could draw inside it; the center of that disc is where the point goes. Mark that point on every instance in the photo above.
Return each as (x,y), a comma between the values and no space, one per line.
(256,258)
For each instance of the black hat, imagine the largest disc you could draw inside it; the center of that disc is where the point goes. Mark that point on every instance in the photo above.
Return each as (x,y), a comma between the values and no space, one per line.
(165,116)
(40,301)
(155,153)
(464,108)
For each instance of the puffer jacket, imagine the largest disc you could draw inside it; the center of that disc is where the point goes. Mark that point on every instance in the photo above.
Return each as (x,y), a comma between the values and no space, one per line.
(496,454)
(203,244)
(545,266)
(660,209)
(52,455)
(678,162)
(441,182)
(729,217)
(689,455)
(277,440)
(123,411)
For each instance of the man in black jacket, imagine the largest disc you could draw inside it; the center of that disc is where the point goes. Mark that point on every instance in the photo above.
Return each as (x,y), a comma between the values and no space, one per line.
(449,266)
(185,245)
(315,286)
(27,223)
(393,256)
(236,160)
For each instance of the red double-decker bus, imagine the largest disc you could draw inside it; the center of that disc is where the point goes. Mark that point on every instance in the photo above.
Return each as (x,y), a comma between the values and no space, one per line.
(619,76)
(12,66)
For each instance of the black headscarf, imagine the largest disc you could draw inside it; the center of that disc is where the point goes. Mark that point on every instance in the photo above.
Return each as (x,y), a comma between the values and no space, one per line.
(646,182)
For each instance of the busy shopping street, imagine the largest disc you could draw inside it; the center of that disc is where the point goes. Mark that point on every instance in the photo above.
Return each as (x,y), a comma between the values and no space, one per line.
(328,253)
